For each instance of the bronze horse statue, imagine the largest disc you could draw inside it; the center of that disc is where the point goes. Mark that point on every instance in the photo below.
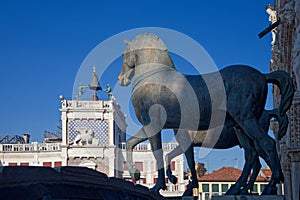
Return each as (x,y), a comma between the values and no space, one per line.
(163,98)
(232,138)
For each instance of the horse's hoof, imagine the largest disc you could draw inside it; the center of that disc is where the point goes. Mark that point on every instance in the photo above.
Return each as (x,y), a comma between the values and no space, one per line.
(233,190)
(157,187)
(269,190)
(244,191)
(173,179)
(188,191)
(281,178)
(190,188)
(135,174)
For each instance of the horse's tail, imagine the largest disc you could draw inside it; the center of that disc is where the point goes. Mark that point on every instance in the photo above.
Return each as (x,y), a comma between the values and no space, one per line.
(283,80)
(283,121)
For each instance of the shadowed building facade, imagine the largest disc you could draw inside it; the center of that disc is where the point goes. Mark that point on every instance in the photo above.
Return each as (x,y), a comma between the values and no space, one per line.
(286,56)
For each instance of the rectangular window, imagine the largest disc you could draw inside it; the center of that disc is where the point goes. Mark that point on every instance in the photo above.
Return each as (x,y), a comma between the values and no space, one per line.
(47,164)
(125,166)
(57,164)
(224,187)
(139,165)
(215,187)
(12,164)
(140,181)
(255,188)
(24,164)
(205,188)
(262,187)
(172,166)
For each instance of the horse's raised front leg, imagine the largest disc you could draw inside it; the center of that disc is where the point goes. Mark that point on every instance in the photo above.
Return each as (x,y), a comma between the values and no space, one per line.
(139,137)
(157,150)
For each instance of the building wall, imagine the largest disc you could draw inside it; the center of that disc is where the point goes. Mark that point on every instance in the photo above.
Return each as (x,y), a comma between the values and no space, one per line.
(146,163)
(105,151)
(35,154)
(108,126)
(286,56)
(207,189)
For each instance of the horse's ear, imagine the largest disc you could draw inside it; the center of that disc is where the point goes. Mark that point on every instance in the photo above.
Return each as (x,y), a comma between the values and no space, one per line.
(127,42)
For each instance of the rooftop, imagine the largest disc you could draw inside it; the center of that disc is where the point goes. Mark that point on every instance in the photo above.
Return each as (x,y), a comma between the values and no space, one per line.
(231,174)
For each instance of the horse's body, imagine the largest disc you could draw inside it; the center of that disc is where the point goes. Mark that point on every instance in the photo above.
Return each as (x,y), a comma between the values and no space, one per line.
(150,91)
(165,99)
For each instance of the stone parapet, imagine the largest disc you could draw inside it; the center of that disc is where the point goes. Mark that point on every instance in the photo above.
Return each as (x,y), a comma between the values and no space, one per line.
(67,183)
(249,197)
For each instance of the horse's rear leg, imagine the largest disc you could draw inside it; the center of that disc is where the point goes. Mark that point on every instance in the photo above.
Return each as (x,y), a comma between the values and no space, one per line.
(274,163)
(255,171)
(267,146)
(254,162)
(250,157)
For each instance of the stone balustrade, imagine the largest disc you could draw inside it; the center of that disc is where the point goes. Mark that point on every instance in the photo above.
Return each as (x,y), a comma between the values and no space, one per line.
(74,104)
(147,147)
(30,147)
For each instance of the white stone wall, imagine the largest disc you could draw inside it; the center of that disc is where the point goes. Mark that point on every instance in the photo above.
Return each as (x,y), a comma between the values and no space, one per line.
(35,154)
(143,154)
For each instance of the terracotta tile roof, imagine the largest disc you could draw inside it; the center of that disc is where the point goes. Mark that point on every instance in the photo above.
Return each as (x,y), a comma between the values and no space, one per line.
(266,172)
(226,174)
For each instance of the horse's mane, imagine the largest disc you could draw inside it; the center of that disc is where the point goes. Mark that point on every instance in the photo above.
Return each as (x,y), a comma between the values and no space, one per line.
(145,40)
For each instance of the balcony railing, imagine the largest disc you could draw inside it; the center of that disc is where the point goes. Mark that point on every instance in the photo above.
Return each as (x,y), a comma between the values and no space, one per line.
(147,147)
(30,147)
(73,104)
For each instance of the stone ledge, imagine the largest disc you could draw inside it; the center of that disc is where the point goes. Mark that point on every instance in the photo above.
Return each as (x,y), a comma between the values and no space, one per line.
(67,183)
(248,197)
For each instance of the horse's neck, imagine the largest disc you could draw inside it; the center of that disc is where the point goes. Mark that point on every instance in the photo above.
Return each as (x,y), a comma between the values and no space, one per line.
(152,60)
(147,72)
(145,68)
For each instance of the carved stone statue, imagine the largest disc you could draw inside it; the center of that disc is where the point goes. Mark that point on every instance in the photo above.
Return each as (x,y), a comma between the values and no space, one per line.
(108,91)
(80,91)
(272,18)
(288,13)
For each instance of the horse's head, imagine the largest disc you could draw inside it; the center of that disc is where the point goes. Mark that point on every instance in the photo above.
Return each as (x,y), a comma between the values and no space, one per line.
(131,55)
(129,60)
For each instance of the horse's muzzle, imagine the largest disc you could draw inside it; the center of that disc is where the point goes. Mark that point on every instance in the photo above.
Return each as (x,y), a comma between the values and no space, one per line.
(123,81)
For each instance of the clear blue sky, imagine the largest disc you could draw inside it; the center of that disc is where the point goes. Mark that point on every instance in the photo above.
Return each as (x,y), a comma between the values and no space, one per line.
(43,43)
